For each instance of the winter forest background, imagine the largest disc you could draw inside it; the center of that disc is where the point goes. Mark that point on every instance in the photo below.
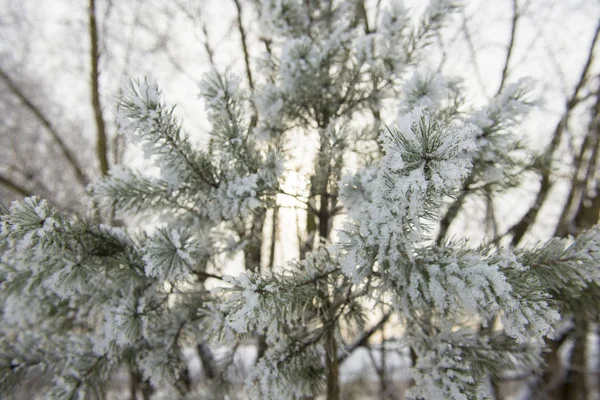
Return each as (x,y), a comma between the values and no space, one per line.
(299,199)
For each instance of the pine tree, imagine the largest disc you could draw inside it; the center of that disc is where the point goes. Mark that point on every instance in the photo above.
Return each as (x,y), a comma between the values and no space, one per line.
(82,298)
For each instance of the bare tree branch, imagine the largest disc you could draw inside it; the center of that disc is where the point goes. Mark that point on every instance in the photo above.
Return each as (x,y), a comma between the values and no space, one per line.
(209,50)
(511,45)
(453,211)
(472,52)
(14,186)
(243,39)
(35,185)
(45,122)
(521,227)
(244,44)
(577,194)
(364,338)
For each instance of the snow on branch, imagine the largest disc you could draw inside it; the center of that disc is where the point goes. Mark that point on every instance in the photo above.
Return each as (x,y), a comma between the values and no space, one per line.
(144,117)
(171,255)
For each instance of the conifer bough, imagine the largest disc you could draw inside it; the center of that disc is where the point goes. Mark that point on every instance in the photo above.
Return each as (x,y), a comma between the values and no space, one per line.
(81,299)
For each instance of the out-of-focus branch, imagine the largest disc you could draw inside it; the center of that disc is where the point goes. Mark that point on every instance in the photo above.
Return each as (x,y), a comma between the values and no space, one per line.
(243,39)
(45,122)
(444,55)
(274,226)
(203,275)
(511,45)
(575,98)
(472,52)
(361,14)
(377,13)
(575,214)
(364,338)
(101,147)
(490,218)
(453,211)
(28,179)
(521,227)
(14,186)
(209,50)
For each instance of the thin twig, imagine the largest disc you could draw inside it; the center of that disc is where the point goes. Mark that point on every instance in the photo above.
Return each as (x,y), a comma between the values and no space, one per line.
(472,52)
(207,47)
(511,45)
(244,44)
(243,39)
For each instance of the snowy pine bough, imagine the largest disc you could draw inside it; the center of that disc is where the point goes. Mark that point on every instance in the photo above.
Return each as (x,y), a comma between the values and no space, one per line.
(82,299)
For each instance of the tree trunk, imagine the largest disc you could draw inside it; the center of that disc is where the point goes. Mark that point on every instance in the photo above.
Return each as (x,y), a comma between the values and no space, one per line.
(575,387)
(252,261)
(332,365)
(134,384)
(555,372)
(208,361)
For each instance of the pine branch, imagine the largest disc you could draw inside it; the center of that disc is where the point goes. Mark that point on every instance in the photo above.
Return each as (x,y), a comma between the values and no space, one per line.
(171,140)
(137,193)
(162,133)
(81,379)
